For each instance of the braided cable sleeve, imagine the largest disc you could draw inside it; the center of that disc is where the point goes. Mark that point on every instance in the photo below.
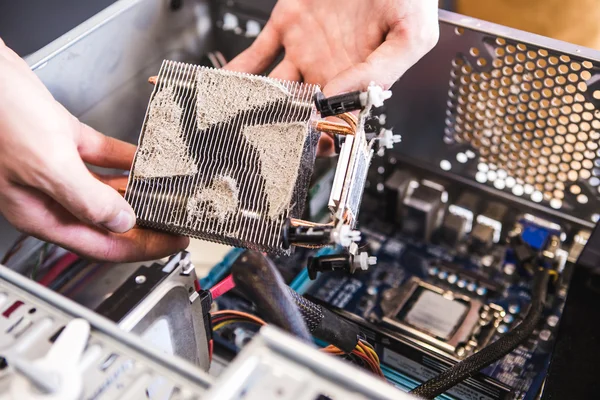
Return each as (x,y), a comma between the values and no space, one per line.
(495,351)
(327,325)
(258,278)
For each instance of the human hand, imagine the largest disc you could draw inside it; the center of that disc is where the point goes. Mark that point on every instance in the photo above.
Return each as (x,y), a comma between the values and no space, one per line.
(46,189)
(343,45)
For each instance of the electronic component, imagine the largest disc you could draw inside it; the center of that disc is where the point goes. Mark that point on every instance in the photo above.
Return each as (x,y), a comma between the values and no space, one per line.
(339,262)
(235,170)
(488,228)
(482,125)
(579,242)
(453,323)
(397,186)
(278,366)
(459,219)
(460,279)
(226,169)
(537,232)
(423,208)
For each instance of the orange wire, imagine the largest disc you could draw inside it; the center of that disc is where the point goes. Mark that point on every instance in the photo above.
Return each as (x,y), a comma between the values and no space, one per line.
(240,314)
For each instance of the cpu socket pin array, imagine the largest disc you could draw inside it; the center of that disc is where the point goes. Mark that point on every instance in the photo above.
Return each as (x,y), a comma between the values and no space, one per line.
(227,157)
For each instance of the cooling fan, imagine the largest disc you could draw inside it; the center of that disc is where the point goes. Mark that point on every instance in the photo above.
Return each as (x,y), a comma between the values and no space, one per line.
(227,157)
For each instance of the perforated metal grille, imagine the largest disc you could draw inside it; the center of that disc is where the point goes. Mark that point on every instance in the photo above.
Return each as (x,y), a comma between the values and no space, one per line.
(224,156)
(531,116)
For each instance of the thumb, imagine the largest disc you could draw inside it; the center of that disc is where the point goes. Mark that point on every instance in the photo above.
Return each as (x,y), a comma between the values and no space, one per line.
(89,199)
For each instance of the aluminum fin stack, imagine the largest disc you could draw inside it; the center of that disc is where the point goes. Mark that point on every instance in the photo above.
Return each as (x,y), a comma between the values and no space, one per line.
(224,156)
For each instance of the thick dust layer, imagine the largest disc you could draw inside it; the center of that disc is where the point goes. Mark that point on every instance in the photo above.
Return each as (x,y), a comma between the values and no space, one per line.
(219,200)
(163,152)
(280,148)
(223,94)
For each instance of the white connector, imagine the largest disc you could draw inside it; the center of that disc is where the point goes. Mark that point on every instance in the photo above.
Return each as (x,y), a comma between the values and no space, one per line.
(344,235)
(360,261)
(387,138)
(374,96)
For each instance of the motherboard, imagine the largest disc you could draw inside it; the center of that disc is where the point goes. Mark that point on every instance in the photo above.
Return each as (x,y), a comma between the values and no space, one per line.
(447,283)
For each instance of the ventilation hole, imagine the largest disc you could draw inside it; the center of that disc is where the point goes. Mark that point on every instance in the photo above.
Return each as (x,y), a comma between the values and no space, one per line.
(459,31)
(573,77)
(585,75)
(482,62)
(582,199)
(572,175)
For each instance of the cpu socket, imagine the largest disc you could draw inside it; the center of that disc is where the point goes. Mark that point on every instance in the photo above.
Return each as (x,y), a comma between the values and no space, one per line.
(440,319)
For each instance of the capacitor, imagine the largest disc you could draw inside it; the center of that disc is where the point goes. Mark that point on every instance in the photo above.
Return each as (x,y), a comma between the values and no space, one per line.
(552,321)
(452,279)
(545,335)
(502,329)
(509,269)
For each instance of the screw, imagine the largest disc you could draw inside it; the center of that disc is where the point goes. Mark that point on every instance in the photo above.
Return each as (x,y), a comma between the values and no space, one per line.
(140,279)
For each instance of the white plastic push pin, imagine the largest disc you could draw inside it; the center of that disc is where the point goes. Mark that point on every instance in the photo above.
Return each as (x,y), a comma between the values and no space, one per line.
(387,138)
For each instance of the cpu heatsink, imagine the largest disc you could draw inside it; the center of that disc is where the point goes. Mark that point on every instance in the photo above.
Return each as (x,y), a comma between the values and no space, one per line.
(224,156)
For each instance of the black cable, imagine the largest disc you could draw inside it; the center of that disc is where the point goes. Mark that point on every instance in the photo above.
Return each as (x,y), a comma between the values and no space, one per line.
(327,325)
(495,351)
(257,277)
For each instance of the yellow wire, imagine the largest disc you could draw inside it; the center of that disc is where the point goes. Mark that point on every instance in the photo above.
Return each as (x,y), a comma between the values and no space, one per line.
(375,356)
(239,314)
(333,350)
(225,323)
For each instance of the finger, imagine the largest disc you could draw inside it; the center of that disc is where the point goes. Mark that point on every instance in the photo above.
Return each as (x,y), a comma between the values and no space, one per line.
(47,220)
(104,151)
(385,65)
(260,55)
(286,70)
(117,182)
(90,200)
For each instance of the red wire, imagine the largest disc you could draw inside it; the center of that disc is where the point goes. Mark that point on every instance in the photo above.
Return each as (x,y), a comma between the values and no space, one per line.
(58,268)
(222,287)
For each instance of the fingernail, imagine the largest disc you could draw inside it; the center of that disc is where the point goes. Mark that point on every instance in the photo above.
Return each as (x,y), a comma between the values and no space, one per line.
(123,222)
